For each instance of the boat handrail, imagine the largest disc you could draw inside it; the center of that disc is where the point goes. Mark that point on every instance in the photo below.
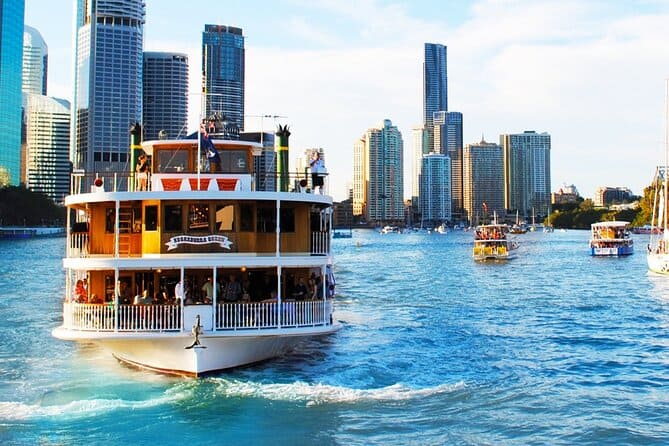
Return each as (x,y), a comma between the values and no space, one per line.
(227,316)
(124,181)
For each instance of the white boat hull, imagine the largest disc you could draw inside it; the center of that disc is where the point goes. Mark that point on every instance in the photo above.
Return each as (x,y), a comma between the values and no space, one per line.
(658,263)
(173,354)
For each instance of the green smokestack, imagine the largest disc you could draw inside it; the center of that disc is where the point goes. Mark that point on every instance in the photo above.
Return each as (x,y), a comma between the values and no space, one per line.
(135,150)
(282,157)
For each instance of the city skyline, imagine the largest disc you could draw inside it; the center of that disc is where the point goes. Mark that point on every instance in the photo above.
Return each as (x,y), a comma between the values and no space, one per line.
(589,73)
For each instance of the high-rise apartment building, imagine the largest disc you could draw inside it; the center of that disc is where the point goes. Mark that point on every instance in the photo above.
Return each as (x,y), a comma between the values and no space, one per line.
(264,165)
(435,86)
(483,181)
(435,189)
(378,185)
(47,122)
(108,82)
(165,95)
(35,62)
(527,176)
(420,148)
(448,140)
(11,61)
(223,71)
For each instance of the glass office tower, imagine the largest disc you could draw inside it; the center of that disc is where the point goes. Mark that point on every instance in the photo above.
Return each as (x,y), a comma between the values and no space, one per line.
(108,82)
(11,62)
(165,95)
(223,73)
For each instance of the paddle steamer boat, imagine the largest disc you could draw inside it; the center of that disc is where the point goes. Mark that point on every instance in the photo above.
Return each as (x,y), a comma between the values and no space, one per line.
(190,272)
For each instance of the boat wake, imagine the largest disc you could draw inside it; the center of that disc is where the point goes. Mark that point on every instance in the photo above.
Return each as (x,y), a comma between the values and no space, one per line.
(316,394)
(16,411)
(297,392)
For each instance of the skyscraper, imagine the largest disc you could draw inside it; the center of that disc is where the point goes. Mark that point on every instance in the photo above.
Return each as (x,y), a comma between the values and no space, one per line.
(527,176)
(435,85)
(223,73)
(448,140)
(108,82)
(11,57)
(378,186)
(47,145)
(483,181)
(35,62)
(419,149)
(435,189)
(165,93)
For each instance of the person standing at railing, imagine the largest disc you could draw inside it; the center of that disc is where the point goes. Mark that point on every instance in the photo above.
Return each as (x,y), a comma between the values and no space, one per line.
(142,171)
(317,172)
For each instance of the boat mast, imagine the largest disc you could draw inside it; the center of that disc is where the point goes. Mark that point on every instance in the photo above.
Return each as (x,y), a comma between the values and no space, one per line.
(666,152)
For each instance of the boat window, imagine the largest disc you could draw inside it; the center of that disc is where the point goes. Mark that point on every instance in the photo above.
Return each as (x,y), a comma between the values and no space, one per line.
(287,220)
(234,161)
(266,219)
(225,218)
(110,218)
(198,217)
(136,219)
(173,220)
(172,160)
(246,218)
(151,218)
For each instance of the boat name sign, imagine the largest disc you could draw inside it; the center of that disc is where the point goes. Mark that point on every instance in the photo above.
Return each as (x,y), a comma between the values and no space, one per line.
(174,242)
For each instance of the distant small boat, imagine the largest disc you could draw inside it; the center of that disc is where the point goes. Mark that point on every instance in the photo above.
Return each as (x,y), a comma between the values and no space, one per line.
(492,242)
(611,238)
(390,230)
(342,233)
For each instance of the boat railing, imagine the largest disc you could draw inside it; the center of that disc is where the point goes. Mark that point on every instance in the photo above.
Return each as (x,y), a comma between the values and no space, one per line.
(123,181)
(320,242)
(228,316)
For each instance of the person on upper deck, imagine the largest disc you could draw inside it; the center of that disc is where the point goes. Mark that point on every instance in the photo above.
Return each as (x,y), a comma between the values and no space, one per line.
(317,171)
(142,172)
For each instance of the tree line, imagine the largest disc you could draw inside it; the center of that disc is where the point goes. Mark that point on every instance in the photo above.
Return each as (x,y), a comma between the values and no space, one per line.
(22,207)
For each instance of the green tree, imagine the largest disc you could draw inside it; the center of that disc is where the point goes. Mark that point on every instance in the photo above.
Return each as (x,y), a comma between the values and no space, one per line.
(21,207)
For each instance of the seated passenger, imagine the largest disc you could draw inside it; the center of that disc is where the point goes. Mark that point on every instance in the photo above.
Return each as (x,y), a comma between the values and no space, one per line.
(80,295)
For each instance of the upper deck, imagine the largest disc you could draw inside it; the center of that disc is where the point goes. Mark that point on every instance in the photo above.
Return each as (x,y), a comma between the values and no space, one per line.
(179,206)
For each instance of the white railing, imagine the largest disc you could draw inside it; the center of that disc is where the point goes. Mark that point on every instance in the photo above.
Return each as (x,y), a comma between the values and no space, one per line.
(235,316)
(78,244)
(229,316)
(320,242)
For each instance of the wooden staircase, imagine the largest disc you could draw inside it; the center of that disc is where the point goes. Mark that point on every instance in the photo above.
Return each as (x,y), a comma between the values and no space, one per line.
(124,231)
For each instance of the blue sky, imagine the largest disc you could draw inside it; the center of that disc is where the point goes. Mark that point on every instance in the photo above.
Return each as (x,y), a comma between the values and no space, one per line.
(590,73)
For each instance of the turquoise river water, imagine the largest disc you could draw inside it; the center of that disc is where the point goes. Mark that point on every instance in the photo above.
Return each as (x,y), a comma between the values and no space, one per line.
(554,347)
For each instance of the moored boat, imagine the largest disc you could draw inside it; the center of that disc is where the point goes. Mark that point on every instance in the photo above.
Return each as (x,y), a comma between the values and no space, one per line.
(492,242)
(611,238)
(657,255)
(190,272)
